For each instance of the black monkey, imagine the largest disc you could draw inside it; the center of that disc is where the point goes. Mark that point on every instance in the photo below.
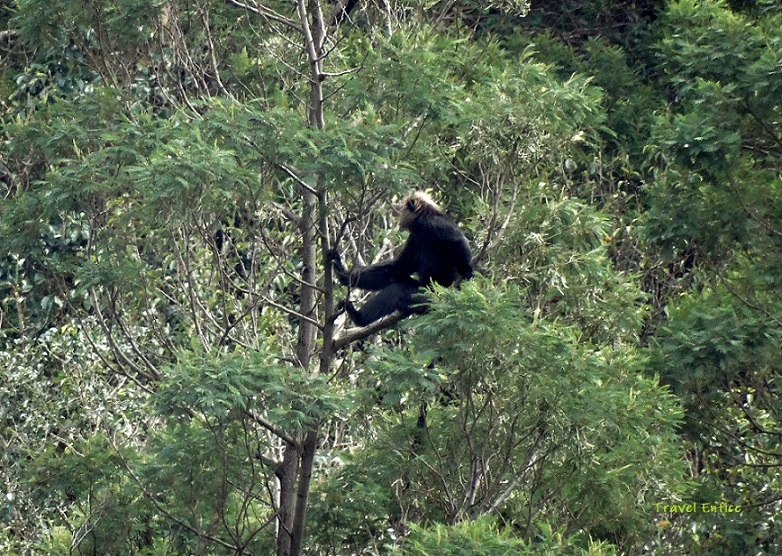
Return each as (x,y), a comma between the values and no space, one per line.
(228,240)
(436,251)
(342,10)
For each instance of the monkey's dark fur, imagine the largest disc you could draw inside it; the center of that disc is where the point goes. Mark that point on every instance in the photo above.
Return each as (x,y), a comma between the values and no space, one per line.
(436,251)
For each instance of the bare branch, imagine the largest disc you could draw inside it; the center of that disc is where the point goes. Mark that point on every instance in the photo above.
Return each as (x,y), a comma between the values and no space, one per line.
(341,73)
(354,334)
(266,13)
(291,312)
(304,185)
(276,431)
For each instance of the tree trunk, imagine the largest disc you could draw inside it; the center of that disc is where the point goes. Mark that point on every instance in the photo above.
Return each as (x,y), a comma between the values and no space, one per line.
(303,492)
(286,476)
(296,472)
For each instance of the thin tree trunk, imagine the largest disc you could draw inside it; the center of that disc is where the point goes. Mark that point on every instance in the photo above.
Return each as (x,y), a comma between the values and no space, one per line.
(286,475)
(303,492)
(293,511)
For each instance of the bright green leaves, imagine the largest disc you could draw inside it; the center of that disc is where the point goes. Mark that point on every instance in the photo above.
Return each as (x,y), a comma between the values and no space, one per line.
(714,342)
(725,70)
(706,138)
(469,111)
(228,386)
(714,210)
(522,419)
(160,212)
(722,356)
(557,250)
(707,40)
(719,143)
(120,24)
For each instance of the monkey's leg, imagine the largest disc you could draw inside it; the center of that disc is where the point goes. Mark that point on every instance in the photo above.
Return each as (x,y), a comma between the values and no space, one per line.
(399,296)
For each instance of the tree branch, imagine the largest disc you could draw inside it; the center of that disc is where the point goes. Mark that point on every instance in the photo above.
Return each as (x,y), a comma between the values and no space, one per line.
(266,13)
(354,334)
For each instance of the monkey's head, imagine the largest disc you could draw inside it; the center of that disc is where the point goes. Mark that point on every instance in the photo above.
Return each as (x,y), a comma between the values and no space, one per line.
(415,206)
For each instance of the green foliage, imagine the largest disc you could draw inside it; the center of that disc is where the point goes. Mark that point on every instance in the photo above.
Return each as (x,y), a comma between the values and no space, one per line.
(618,161)
(354,505)
(233,384)
(722,358)
(714,210)
(706,138)
(194,481)
(54,400)
(718,142)
(563,267)
(706,40)
(629,96)
(724,69)
(470,112)
(522,420)
(687,214)
(480,538)
(715,339)
(107,511)
(122,22)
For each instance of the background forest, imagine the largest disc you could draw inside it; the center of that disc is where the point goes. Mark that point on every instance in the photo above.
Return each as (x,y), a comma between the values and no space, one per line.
(175,379)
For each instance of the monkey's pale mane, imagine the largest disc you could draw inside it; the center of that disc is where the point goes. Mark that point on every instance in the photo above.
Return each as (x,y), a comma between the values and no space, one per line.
(415,205)
(422,201)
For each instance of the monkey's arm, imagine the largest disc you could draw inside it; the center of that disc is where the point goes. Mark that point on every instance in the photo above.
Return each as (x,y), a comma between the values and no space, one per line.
(335,259)
(373,277)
